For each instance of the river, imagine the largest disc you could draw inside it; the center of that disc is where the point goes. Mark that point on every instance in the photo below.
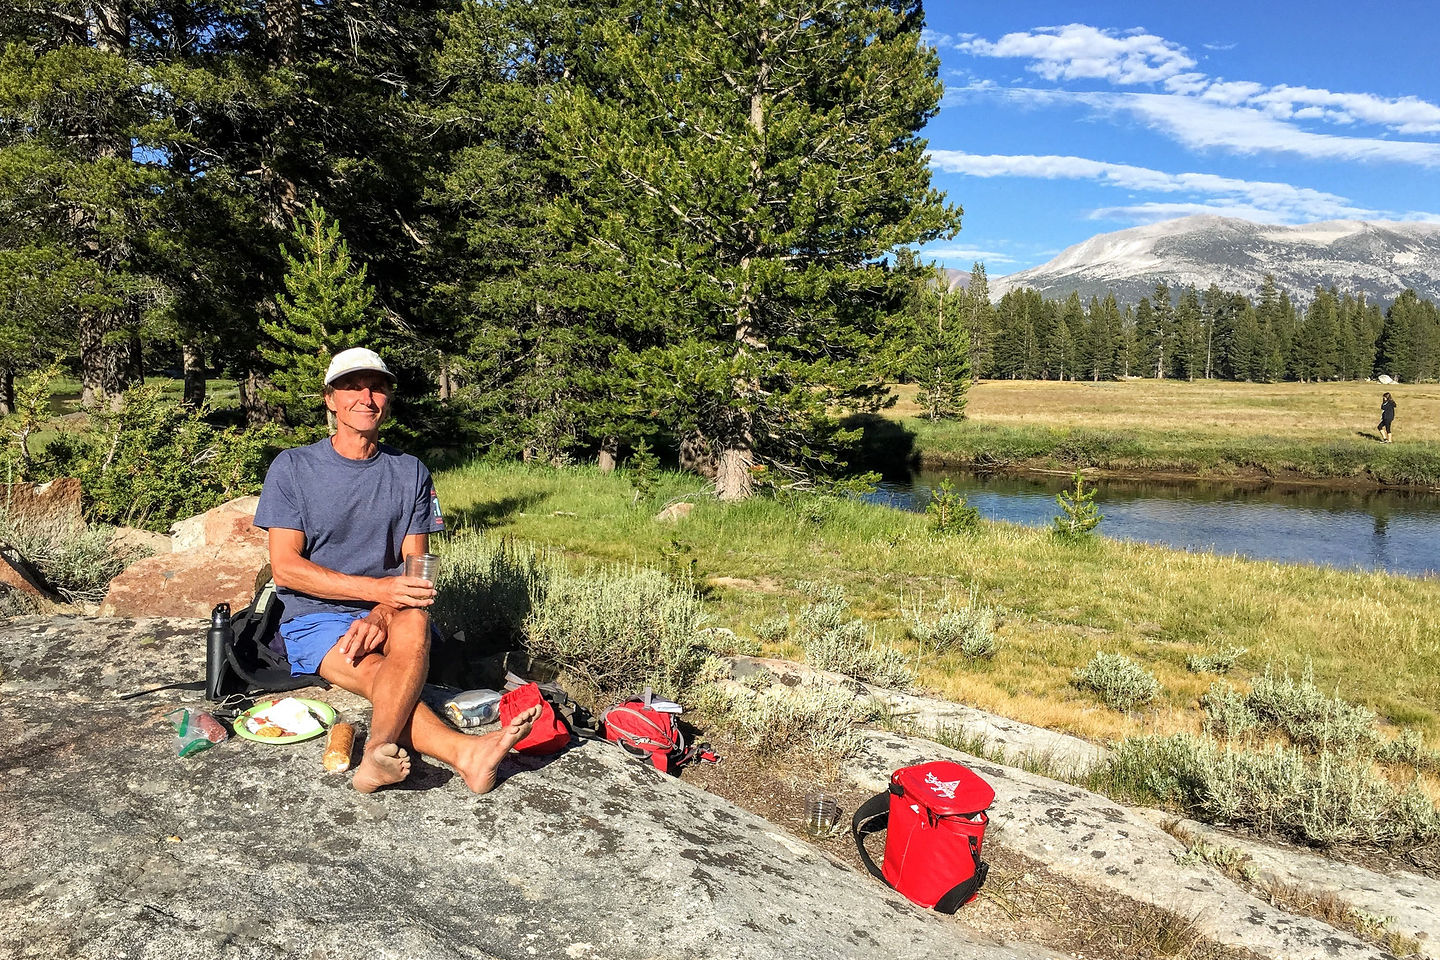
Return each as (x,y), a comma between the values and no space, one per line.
(1392,530)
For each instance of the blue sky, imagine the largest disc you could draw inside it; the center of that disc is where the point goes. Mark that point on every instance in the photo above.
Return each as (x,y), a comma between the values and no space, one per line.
(1064,120)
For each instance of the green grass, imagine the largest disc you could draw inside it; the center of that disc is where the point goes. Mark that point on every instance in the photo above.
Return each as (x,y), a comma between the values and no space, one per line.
(1060,604)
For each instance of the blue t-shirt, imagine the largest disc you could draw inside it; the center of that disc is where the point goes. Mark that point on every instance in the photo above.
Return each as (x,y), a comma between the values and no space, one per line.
(355,514)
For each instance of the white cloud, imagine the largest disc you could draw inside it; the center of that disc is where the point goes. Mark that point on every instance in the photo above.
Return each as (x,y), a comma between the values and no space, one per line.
(1198,123)
(1079,51)
(1126,58)
(1404,115)
(1155,212)
(1255,199)
(965,254)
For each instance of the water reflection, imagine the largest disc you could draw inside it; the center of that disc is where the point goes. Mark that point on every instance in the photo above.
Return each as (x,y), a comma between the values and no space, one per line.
(1394,530)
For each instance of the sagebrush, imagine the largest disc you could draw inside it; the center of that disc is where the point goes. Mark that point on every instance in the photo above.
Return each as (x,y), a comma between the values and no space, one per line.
(833,641)
(1120,682)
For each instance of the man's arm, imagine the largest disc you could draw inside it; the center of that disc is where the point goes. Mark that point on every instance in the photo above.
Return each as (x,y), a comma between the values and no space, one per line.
(294,571)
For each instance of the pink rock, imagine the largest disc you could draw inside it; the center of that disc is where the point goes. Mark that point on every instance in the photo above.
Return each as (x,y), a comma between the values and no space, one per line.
(19,575)
(218,525)
(217,556)
(188,583)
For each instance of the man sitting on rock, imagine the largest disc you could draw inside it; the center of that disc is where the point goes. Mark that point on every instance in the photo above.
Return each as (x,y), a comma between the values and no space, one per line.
(342,514)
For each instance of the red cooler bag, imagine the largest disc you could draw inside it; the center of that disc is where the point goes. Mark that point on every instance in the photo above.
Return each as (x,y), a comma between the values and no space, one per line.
(549,734)
(936,827)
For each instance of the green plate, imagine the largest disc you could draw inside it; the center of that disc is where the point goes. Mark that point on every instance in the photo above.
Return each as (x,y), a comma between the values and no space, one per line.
(321,708)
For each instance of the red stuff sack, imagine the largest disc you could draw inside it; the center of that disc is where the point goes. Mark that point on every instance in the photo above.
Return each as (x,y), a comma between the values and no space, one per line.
(549,732)
(645,733)
(936,818)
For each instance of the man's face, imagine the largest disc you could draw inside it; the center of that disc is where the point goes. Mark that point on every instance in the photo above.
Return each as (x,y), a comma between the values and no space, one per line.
(360,400)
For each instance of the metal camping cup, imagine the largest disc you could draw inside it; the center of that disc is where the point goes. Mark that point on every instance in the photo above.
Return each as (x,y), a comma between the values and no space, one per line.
(423,565)
(821,814)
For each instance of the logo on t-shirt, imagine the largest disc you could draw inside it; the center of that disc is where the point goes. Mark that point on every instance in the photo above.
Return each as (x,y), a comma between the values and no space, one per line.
(435,508)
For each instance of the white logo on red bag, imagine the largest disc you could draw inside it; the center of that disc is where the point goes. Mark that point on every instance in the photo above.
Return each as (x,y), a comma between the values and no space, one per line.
(945,788)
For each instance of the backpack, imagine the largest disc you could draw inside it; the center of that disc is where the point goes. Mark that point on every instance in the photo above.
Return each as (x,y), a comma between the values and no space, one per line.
(239,658)
(936,818)
(647,733)
(548,734)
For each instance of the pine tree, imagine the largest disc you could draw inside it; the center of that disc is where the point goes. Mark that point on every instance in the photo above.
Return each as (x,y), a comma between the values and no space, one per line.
(1189,358)
(736,183)
(1106,346)
(1079,515)
(940,363)
(1317,351)
(979,314)
(326,308)
(1066,332)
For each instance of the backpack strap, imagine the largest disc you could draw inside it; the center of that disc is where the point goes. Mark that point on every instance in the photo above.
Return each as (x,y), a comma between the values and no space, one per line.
(961,893)
(873,815)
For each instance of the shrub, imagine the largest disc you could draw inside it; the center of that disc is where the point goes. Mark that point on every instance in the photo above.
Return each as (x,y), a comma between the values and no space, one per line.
(773,629)
(153,461)
(78,564)
(1307,716)
(1121,682)
(826,610)
(1408,749)
(832,641)
(1322,799)
(949,511)
(1220,662)
(1226,712)
(613,629)
(970,629)
(852,649)
(487,584)
(816,723)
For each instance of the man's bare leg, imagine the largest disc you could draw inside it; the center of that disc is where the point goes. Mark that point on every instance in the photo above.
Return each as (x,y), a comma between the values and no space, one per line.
(475,758)
(394,691)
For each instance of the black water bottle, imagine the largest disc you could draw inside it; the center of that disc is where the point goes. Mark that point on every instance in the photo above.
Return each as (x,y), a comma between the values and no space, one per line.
(216,642)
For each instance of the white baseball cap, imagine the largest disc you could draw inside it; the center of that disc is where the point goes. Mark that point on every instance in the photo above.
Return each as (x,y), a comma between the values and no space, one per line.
(354,359)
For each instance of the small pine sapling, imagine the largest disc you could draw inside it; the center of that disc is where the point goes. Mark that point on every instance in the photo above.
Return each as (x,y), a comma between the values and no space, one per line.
(949,512)
(1079,516)
(643,467)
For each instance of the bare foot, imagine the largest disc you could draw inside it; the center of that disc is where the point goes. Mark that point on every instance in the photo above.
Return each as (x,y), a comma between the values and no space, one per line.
(483,754)
(387,763)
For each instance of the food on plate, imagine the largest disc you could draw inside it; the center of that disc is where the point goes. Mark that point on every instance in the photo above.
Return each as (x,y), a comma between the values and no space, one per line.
(272,730)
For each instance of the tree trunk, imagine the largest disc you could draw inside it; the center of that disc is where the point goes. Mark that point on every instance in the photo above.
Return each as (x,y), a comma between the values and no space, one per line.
(445,387)
(106,364)
(609,454)
(7,391)
(192,360)
(733,477)
(282,26)
(258,410)
(697,454)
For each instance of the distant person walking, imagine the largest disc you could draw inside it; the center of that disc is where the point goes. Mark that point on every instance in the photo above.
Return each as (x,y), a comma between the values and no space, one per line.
(1387,416)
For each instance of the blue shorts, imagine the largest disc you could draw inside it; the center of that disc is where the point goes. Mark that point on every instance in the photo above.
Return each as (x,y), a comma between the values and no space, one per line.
(309,638)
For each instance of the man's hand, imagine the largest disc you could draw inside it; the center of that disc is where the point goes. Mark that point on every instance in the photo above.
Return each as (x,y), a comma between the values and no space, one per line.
(404,592)
(364,636)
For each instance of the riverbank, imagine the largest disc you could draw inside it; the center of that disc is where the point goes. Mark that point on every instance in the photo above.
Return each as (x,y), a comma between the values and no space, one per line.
(1058,604)
(1289,432)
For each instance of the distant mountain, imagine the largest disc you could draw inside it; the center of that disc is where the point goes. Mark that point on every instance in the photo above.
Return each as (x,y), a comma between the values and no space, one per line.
(1379,258)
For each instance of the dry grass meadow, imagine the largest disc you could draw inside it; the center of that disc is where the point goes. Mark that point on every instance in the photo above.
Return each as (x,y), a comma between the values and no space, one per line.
(1311,411)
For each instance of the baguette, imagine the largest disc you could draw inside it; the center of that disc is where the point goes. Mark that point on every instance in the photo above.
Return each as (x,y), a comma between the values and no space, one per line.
(337,748)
